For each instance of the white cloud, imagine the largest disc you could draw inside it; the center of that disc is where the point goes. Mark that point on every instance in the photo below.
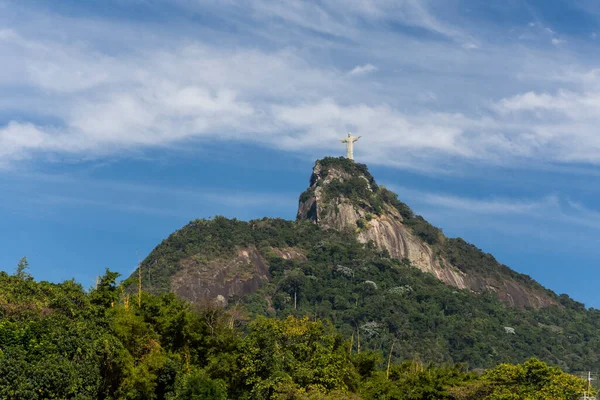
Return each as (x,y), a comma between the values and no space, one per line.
(7,34)
(450,106)
(340,17)
(160,97)
(537,31)
(482,205)
(17,140)
(386,130)
(573,104)
(491,206)
(149,99)
(560,126)
(362,69)
(470,46)
(548,209)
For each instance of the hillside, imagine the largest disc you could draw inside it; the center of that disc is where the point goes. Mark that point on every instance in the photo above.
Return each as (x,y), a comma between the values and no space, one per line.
(360,258)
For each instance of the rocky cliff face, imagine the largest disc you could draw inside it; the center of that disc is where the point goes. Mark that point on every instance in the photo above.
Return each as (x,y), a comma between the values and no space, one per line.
(343,195)
(220,279)
(223,278)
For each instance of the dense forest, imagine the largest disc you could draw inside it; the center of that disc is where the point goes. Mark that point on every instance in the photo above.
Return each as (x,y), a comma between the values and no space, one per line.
(59,341)
(381,301)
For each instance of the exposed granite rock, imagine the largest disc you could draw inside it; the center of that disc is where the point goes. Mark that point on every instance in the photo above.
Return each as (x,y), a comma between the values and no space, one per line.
(388,231)
(242,274)
(289,253)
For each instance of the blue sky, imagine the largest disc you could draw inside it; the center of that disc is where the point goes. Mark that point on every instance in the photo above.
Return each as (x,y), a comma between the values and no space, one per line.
(122,120)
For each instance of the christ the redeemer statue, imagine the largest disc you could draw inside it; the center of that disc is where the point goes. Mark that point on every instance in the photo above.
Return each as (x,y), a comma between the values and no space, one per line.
(350,145)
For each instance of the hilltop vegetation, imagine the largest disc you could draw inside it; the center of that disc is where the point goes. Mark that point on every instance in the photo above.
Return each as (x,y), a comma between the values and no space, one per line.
(58,341)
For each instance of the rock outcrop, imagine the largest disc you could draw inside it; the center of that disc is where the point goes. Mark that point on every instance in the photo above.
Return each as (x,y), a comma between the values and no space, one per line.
(221,278)
(343,195)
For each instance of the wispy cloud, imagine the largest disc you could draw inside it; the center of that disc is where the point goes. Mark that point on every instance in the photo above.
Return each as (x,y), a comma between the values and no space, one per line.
(538,31)
(547,209)
(59,191)
(362,69)
(341,18)
(478,205)
(491,206)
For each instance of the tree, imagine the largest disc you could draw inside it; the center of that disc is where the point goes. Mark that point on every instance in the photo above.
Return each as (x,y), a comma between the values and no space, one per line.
(22,268)
(197,385)
(278,354)
(106,292)
(292,283)
(532,380)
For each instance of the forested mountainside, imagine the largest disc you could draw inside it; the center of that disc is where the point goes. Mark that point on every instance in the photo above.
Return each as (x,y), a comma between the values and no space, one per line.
(58,341)
(339,262)
(377,299)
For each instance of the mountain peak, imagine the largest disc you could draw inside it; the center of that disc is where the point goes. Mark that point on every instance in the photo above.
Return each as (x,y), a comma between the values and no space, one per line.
(340,182)
(343,195)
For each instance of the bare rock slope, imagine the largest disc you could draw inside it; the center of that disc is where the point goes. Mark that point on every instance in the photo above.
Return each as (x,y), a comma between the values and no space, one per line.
(221,278)
(344,195)
(221,259)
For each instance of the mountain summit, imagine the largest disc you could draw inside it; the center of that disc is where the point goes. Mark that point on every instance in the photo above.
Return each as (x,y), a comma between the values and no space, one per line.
(228,258)
(343,195)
